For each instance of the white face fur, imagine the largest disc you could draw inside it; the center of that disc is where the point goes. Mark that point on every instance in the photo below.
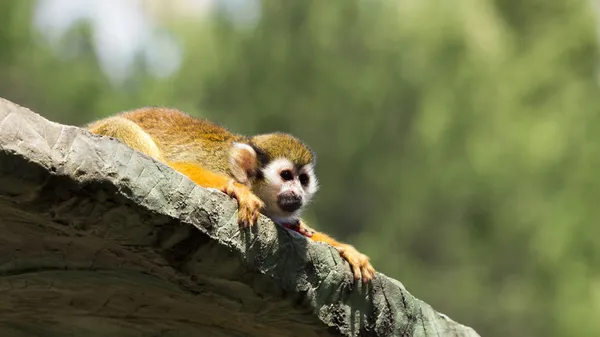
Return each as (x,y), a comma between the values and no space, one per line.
(282,176)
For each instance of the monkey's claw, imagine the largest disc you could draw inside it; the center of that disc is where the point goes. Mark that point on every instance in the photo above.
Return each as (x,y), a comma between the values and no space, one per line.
(249,205)
(359,263)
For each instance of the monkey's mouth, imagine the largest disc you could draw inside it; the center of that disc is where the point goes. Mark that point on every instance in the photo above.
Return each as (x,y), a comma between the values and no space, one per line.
(289,202)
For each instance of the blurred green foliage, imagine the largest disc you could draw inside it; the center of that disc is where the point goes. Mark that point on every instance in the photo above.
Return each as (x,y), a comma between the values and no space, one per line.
(455,140)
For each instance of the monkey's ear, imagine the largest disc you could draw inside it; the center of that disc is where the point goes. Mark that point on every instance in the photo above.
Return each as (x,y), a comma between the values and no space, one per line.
(242,162)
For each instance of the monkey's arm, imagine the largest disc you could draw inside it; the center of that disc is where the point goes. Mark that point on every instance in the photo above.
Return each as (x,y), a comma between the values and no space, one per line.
(359,263)
(249,204)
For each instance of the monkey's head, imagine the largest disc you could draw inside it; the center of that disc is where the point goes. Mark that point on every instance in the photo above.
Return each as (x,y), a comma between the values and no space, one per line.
(279,169)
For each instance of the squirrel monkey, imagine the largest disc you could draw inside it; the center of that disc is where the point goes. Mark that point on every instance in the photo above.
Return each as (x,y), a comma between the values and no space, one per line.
(270,173)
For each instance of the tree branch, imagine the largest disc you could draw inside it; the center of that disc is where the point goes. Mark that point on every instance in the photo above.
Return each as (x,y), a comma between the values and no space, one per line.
(98,239)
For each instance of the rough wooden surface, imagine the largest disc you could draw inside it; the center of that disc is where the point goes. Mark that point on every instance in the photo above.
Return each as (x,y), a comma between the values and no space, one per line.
(99,240)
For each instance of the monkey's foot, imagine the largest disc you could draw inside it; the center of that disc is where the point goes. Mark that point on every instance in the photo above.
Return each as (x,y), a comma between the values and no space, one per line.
(359,263)
(249,205)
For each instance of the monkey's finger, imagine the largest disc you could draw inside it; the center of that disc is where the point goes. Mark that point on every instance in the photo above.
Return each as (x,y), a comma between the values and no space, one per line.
(368,271)
(306,232)
(253,212)
(354,264)
(367,275)
(255,216)
(243,216)
(371,269)
(249,219)
(356,271)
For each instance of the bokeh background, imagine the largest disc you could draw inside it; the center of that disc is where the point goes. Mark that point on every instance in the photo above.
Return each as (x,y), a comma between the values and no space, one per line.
(456,139)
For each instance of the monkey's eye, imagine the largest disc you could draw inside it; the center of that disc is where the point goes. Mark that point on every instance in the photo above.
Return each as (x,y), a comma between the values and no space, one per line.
(286,175)
(304,179)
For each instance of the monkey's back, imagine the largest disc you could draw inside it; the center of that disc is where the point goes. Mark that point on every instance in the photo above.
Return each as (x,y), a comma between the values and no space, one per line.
(183,138)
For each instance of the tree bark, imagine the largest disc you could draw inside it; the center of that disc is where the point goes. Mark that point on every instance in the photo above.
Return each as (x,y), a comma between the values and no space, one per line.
(100,240)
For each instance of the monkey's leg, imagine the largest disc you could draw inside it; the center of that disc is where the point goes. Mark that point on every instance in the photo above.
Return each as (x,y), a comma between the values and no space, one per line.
(127,132)
(359,263)
(249,205)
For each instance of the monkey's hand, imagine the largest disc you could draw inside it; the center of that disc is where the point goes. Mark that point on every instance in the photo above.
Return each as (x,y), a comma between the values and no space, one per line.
(249,205)
(299,226)
(305,230)
(359,263)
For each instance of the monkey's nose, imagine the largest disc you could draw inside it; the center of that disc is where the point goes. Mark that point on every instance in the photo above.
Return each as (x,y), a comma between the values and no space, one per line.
(289,201)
